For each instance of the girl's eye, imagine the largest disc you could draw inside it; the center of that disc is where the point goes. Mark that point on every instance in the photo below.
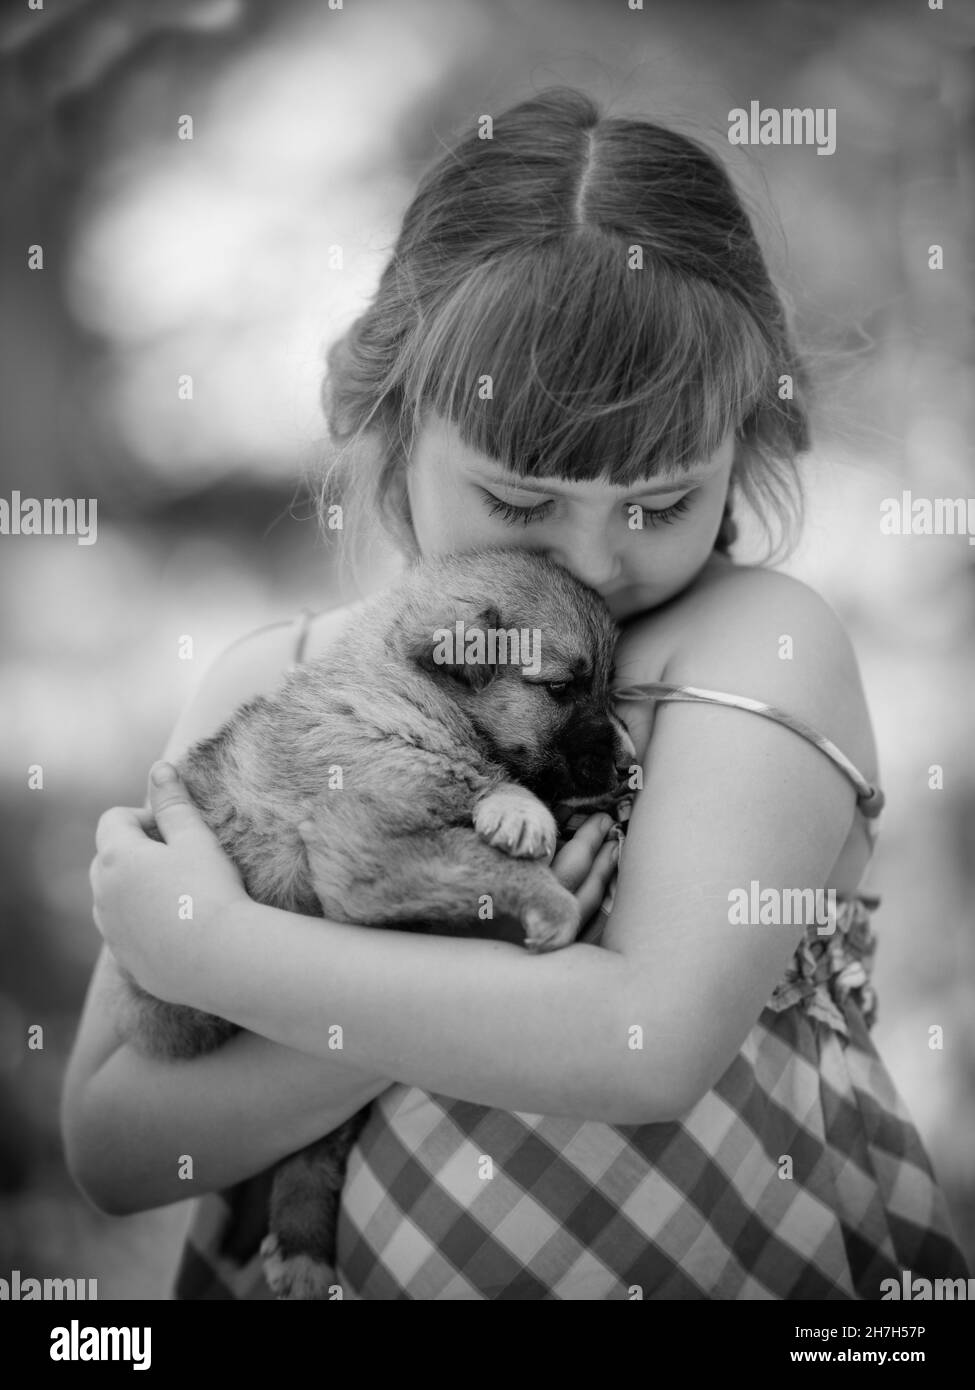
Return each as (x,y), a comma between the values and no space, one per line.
(510,514)
(664,515)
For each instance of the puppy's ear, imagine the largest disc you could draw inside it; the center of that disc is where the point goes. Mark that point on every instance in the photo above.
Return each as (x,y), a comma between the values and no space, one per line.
(450,648)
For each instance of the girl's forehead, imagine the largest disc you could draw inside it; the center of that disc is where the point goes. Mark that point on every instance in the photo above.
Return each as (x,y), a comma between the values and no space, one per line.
(439,444)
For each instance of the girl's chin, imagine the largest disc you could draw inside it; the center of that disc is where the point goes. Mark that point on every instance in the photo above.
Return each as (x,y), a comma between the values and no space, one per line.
(630,602)
(640,599)
(637,599)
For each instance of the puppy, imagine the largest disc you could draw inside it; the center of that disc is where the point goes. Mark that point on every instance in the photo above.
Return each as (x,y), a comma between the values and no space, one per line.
(422,756)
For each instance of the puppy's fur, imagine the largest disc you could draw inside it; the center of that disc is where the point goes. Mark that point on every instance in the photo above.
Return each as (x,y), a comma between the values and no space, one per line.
(422,786)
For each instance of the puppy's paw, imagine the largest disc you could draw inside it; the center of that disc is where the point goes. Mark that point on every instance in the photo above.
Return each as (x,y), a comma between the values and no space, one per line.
(514,821)
(297,1276)
(551,920)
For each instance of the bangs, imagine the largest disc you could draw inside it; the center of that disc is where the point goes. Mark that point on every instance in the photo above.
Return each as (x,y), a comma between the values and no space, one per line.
(597,370)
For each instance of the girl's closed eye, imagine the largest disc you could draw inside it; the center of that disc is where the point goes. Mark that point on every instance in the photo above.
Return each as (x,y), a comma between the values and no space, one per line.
(662,516)
(511,514)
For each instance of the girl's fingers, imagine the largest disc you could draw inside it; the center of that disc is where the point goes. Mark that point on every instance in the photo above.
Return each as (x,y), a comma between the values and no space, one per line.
(119,822)
(174,810)
(575,859)
(591,892)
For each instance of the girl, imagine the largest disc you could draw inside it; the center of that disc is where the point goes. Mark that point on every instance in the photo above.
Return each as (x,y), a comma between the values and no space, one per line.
(576,348)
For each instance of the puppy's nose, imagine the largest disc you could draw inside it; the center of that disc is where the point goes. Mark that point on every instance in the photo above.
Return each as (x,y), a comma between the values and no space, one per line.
(590,750)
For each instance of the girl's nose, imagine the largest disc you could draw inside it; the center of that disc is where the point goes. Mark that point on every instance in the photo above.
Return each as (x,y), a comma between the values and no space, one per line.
(595,564)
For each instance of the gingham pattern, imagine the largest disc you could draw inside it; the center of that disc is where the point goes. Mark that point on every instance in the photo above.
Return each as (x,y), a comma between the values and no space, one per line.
(699,1209)
(702,1208)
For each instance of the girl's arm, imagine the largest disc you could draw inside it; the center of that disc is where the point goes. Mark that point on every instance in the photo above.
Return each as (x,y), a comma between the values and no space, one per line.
(126,1119)
(633,1034)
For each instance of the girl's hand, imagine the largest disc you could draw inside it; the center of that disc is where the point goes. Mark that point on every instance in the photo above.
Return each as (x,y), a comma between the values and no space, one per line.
(586,863)
(153,902)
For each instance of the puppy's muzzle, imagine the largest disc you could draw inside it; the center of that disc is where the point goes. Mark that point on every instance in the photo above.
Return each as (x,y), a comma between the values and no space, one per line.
(599,754)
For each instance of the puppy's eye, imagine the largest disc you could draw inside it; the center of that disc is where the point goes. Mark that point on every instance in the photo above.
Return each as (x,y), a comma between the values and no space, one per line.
(557,688)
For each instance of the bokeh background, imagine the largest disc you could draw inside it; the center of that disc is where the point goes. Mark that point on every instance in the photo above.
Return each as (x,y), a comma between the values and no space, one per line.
(212,257)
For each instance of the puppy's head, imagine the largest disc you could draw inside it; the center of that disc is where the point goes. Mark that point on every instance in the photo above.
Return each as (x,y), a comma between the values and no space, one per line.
(526,651)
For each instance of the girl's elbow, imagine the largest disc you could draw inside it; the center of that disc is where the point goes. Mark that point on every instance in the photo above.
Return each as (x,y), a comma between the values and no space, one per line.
(106,1201)
(658,1094)
(633,1095)
(105,1187)
(665,1074)
(87,1178)
(651,1104)
(88,1157)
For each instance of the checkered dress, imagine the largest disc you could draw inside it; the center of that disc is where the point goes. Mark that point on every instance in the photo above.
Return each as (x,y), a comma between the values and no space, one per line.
(800,1175)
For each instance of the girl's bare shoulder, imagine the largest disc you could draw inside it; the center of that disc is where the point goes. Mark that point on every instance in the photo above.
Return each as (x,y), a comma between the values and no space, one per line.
(253,665)
(729,603)
(756,632)
(263,657)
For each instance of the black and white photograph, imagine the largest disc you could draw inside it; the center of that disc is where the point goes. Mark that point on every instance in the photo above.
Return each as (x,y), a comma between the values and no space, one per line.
(487,574)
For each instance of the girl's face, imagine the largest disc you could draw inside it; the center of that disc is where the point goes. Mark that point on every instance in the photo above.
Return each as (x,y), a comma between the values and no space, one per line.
(461,499)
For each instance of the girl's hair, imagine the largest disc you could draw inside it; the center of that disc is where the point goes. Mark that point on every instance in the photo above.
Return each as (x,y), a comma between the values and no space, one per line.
(603,274)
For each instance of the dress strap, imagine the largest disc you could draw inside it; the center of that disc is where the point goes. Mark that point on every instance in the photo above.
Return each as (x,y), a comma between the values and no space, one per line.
(302,624)
(870,797)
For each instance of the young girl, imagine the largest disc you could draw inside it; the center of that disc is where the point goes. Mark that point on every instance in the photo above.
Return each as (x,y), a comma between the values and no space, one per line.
(575,348)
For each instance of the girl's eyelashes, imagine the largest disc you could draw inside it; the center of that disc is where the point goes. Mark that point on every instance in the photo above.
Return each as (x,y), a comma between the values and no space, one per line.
(510,514)
(663,515)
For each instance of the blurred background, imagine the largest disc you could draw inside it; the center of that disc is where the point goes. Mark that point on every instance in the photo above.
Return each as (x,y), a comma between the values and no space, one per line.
(212,257)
